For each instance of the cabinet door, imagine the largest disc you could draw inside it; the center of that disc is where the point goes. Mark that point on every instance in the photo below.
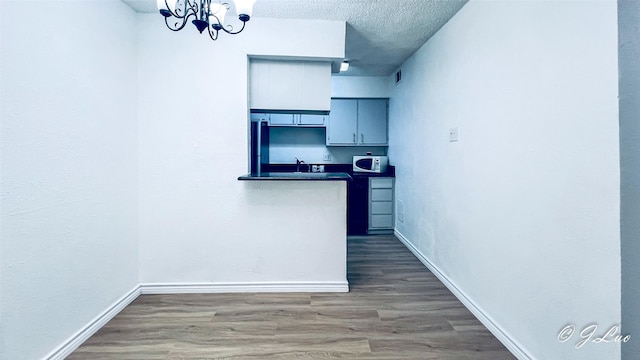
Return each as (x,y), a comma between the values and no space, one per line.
(343,122)
(259,117)
(381,183)
(381,222)
(289,85)
(281,119)
(381,194)
(372,122)
(381,208)
(306,119)
(314,86)
(271,84)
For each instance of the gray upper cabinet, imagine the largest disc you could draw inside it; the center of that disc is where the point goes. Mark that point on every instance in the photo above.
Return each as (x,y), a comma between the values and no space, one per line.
(343,122)
(281,119)
(290,85)
(372,122)
(311,120)
(358,122)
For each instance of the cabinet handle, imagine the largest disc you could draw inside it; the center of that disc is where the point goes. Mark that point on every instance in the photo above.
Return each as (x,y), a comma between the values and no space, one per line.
(361,138)
(354,138)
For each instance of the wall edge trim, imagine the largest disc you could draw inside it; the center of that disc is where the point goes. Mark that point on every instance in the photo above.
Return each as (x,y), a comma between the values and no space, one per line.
(502,335)
(72,343)
(246,287)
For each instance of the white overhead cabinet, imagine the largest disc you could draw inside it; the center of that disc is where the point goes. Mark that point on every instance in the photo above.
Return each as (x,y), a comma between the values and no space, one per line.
(358,122)
(290,85)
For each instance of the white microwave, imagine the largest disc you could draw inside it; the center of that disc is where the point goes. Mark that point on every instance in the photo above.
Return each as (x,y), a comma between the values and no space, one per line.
(370,164)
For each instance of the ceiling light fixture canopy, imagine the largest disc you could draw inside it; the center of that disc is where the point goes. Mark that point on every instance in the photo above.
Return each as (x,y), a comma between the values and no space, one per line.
(209,14)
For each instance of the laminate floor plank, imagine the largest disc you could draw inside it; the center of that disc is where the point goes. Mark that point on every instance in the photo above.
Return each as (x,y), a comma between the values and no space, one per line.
(395,309)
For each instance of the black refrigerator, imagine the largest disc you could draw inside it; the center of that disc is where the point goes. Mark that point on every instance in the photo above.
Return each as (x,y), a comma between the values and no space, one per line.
(259,145)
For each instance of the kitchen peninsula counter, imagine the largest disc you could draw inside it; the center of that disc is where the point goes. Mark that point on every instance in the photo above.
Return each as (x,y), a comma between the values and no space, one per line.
(301,219)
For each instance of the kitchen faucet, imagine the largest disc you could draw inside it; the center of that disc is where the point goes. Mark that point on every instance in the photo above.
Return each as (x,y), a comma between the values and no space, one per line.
(301,162)
(298,162)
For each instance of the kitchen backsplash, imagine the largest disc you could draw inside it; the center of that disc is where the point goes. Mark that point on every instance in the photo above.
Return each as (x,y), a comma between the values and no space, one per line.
(308,144)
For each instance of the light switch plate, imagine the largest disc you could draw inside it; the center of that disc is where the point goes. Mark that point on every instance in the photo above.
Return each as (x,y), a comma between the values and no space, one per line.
(453,134)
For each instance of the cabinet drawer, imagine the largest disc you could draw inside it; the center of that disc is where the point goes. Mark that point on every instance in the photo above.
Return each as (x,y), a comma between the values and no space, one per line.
(381,207)
(307,119)
(381,183)
(281,119)
(381,194)
(381,222)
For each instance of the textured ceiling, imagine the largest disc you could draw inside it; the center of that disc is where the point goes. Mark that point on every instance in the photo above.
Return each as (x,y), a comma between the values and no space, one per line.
(381,34)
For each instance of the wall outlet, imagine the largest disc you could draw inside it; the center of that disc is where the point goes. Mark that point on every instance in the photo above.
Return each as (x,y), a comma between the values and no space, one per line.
(400,210)
(453,134)
(326,157)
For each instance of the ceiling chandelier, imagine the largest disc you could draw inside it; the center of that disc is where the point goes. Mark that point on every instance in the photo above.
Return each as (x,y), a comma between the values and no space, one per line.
(208,14)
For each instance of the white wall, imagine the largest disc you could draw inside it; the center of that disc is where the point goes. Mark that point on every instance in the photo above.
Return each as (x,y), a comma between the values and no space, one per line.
(522,213)
(197,222)
(3,344)
(629,53)
(68,161)
(360,86)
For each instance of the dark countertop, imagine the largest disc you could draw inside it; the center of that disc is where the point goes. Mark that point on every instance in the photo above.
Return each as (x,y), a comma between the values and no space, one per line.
(368,175)
(330,168)
(335,172)
(297,176)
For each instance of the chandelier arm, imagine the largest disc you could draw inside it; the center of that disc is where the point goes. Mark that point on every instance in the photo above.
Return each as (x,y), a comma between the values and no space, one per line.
(213,34)
(190,8)
(176,27)
(230,31)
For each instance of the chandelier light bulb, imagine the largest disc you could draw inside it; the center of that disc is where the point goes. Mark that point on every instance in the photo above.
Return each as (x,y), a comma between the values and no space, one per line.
(244,8)
(217,14)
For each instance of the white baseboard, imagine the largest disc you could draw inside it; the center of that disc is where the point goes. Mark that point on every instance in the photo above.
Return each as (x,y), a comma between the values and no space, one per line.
(93,326)
(247,287)
(512,345)
(99,321)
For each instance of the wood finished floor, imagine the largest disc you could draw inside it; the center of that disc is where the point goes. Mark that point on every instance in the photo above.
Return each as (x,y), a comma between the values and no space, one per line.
(396,309)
